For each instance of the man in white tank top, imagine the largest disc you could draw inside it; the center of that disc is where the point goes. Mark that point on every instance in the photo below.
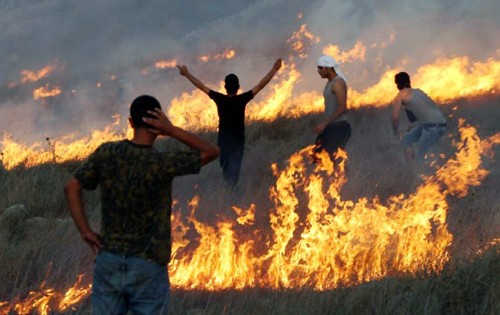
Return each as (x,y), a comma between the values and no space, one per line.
(334,130)
(429,125)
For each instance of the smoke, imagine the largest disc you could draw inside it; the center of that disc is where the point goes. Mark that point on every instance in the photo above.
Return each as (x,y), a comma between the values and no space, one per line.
(105,51)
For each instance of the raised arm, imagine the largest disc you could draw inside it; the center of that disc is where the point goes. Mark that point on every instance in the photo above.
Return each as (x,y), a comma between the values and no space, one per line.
(183,70)
(208,150)
(265,80)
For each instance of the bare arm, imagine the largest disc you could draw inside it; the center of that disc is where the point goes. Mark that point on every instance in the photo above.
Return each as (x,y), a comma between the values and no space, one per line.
(397,105)
(265,80)
(183,70)
(73,193)
(339,88)
(208,150)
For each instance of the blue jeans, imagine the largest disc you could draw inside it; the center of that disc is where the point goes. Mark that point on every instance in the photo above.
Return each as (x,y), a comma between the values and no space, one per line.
(426,135)
(125,283)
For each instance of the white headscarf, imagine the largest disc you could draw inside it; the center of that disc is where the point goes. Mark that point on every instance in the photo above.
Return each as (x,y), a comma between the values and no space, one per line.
(329,62)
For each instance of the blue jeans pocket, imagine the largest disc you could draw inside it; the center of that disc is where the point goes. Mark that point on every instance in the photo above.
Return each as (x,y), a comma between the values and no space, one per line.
(106,276)
(148,279)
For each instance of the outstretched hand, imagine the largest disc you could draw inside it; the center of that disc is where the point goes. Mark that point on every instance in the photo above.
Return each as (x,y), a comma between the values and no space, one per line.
(183,70)
(160,122)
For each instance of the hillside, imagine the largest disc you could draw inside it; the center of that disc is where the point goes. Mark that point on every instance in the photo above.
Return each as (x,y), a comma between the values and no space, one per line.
(41,249)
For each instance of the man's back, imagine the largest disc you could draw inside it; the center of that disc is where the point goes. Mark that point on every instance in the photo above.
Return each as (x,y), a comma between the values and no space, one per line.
(135,184)
(423,107)
(231,111)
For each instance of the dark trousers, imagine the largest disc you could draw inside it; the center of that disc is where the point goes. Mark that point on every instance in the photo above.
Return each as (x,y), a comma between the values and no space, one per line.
(230,159)
(333,137)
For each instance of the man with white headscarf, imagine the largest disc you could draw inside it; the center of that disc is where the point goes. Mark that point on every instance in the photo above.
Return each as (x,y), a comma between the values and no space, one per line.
(334,130)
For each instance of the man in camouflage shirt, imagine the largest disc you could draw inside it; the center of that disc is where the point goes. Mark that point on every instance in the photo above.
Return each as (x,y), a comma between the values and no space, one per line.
(135,182)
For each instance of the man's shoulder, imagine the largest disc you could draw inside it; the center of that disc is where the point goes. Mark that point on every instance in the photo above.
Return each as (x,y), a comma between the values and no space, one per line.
(244,97)
(109,147)
(112,144)
(339,81)
(213,94)
(247,94)
(404,94)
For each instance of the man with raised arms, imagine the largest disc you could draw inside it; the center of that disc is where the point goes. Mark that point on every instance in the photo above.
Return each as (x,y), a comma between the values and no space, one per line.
(231,110)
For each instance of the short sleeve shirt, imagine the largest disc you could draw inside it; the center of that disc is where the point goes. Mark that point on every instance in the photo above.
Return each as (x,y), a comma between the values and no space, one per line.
(231,111)
(136,186)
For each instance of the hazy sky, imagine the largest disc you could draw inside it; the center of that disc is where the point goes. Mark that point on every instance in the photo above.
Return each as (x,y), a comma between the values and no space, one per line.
(91,41)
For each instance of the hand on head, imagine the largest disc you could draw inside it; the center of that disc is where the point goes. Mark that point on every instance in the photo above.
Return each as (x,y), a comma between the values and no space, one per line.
(160,122)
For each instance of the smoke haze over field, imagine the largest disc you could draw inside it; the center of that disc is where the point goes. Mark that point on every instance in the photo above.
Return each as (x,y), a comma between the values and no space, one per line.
(102,54)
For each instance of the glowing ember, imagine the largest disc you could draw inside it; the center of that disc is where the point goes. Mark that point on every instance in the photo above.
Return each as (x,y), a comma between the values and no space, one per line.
(228,54)
(46,91)
(162,64)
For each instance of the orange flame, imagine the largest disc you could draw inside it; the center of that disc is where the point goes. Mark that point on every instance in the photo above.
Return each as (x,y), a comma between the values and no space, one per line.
(449,174)
(46,91)
(444,80)
(356,53)
(318,240)
(43,301)
(163,64)
(315,239)
(301,40)
(33,76)
(59,151)
(341,242)
(228,54)
(245,216)
(75,294)
(194,111)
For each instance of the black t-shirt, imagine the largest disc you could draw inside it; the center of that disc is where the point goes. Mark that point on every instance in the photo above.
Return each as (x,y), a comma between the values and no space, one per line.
(231,110)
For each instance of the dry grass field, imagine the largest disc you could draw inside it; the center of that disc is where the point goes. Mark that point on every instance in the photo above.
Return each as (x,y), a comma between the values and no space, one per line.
(40,248)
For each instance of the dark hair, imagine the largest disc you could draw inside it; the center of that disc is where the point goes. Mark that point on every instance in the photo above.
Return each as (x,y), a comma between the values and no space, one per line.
(232,83)
(139,109)
(402,80)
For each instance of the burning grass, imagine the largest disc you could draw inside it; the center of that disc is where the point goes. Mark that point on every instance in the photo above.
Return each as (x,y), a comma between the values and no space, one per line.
(350,226)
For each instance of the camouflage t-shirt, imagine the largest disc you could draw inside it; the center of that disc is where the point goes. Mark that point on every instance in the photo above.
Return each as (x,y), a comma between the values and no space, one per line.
(136,195)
